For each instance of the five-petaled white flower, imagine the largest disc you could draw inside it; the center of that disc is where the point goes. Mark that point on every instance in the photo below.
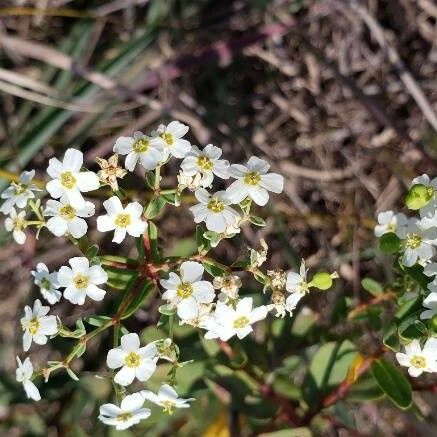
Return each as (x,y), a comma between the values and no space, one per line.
(24,374)
(419,243)
(419,360)
(214,210)
(167,398)
(121,220)
(68,179)
(37,325)
(15,223)
(296,284)
(67,219)
(81,280)
(206,162)
(228,285)
(47,283)
(254,181)
(388,221)
(430,303)
(135,361)
(130,412)
(18,193)
(187,292)
(170,137)
(228,321)
(140,147)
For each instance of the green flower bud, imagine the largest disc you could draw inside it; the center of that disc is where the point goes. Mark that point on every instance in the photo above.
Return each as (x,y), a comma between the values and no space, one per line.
(322,281)
(418,196)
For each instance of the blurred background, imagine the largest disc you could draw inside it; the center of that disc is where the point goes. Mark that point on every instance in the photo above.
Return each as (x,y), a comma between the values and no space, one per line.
(340,97)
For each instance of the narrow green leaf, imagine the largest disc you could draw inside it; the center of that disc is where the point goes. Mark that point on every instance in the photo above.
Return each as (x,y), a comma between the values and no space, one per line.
(372,286)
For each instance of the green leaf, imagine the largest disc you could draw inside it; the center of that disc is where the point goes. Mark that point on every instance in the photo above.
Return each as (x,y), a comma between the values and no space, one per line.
(150,179)
(120,279)
(92,251)
(203,244)
(322,281)
(411,327)
(154,246)
(213,269)
(418,197)
(389,243)
(138,300)
(416,273)
(257,221)
(393,383)
(409,307)
(172,198)
(391,339)
(372,286)
(365,389)
(97,320)
(154,207)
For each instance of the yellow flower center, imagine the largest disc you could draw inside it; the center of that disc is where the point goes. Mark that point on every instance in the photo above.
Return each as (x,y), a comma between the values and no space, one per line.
(68,180)
(19,188)
(391,227)
(184,290)
(430,191)
(413,241)
(241,322)
(252,178)
(418,362)
(204,163)
(68,212)
(168,138)
(32,325)
(19,223)
(132,360)
(215,205)
(81,281)
(141,145)
(123,220)
(124,417)
(168,407)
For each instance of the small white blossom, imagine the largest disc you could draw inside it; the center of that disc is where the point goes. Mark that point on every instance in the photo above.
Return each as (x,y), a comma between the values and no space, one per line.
(147,150)
(430,303)
(135,361)
(129,413)
(187,292)
(207,163)
(388,221)
(187,181)
(37,325)
(419,360)
(121,220)
(24,374)
(214,210)
(254,181)
(201,318)
(18,193)
(228,321)
(16,223)
(170,137)
(419,243)
(81,280)
(228,285)
(167,398)
(67,219)
(68,179)
(47,283)
(296,284)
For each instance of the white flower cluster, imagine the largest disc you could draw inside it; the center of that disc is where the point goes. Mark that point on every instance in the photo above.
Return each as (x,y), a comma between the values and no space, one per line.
(417,241)
(221,314)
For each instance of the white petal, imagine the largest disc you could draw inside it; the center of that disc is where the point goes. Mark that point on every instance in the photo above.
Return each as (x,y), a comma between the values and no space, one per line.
(119,235)
(259,195)
(145,370)
(97,275)
(134,209)
(123,145)
(115,358)
(237,191)
(113,205)
(105,223)
(203,291)
(132,402)
(74,296)
(130,342)
(73,160)
(79,264)
(95,292)
(272,182)
(187,309)
(65,276)
(57,226)
(177,128)
(77,227)
(55,168)
(125,376)
(31,390)
(87,181)
(131,161)
(167,392)
(191,271)
(202,195)
(216,222)
(137,228)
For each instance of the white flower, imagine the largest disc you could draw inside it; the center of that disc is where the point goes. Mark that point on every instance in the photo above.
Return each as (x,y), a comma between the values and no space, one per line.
(428,212)
(206,162)
(297,285)
(419,243)
(388,221)
(68,180)
(419,360)
(228,285)
(37,325)
(227,321)
(17,194)
(130,412)
(24,374)
(15,223)
(430,302)
(170,138)
(254,181)
(187,292)
(214,210)
(122,220)
(187,181)
(67,219)
(201,318)
(47,282)
(81,280)
(135,361)
(167,398)
(141,148)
